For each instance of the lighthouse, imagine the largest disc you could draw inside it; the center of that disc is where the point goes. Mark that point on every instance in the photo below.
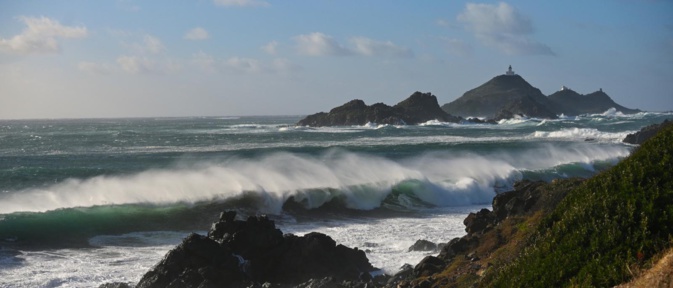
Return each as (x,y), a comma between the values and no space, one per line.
(509,71)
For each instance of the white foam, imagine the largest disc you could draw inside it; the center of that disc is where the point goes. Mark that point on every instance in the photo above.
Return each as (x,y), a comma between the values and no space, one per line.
(581,134)
(446,179)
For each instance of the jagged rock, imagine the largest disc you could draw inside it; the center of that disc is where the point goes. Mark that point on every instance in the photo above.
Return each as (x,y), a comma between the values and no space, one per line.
(240,253)
(646,133)
(478,222)
(428,266)
(418,108)
(570,102)
(423,245)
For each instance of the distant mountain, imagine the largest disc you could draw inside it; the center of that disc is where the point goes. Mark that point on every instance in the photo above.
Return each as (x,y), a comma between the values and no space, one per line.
(418,108)
(502,96)
(507,95)
(570,102)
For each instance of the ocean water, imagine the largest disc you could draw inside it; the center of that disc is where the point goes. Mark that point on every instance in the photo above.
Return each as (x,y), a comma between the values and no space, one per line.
(89,201)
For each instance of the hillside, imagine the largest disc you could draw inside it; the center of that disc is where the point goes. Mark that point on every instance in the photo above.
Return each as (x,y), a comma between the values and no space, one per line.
(503,93)
(611,225)
(570,102)
(598,232)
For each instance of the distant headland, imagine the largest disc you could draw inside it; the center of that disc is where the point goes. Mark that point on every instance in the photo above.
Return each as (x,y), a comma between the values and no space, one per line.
(504,96)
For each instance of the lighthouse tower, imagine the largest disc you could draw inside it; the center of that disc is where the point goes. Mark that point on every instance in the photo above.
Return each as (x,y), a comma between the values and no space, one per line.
(510,72)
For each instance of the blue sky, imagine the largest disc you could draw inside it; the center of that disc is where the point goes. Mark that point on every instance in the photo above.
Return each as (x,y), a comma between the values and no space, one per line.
(80,59)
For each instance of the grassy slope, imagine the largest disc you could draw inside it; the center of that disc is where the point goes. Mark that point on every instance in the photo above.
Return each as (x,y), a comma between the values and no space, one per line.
(610,225)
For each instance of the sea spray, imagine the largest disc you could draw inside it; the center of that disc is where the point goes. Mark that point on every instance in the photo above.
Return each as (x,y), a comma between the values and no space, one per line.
(362,181)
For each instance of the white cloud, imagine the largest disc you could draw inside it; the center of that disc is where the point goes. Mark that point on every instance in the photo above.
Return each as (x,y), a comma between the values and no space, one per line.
(319,44)
(442,22)
(246,65)
(136,65)
(270,48)
(204,61)
(370,47)
(241,3)
(284,66)
(144,65)
(456,47)
(40,36)
(152,44)
(197,33)
(93,67)
(502,27)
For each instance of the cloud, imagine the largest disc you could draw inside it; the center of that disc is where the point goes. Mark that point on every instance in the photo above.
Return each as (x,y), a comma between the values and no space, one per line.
(93,67)
(319,44)
(246,65)
(204,61)
(241,3)
(502,27)
(197,33)
(40,36)
(270,48)
(144,65)
(457,47)
(152,44)
(148,45)
(243,65)
(136,65)
(370,47)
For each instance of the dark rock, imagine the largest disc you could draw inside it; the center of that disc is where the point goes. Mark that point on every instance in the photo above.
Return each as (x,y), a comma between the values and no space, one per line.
(237,252)
(115,285)
(423,245)
(418,108)
(646,133)
(428,266)
(478,222)
(570,102)
(509,93)
(509,96)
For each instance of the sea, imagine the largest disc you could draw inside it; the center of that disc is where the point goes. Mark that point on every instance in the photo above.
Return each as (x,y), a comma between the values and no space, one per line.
(89,201)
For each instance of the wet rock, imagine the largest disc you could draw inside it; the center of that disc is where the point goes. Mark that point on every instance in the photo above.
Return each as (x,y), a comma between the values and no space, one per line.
(423,245)
(240,253)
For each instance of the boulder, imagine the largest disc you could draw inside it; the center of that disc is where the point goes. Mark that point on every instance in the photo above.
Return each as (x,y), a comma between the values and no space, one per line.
(240,253)
(423,245)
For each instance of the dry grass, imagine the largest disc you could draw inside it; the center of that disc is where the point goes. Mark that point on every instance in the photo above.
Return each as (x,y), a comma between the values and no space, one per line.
(659,276)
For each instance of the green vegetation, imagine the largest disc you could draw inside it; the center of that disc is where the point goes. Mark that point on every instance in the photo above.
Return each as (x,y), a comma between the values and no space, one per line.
(611,225)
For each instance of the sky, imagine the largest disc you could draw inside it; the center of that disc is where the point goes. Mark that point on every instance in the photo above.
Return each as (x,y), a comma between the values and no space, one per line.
(176,58)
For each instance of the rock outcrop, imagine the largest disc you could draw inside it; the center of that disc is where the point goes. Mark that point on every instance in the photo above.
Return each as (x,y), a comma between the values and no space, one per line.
(240,253)
(646,133)
(569,102)
(418,108)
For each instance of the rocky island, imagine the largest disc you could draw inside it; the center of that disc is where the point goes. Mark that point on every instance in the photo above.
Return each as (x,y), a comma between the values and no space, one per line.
(503,97)
(418,108)
(510,94)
